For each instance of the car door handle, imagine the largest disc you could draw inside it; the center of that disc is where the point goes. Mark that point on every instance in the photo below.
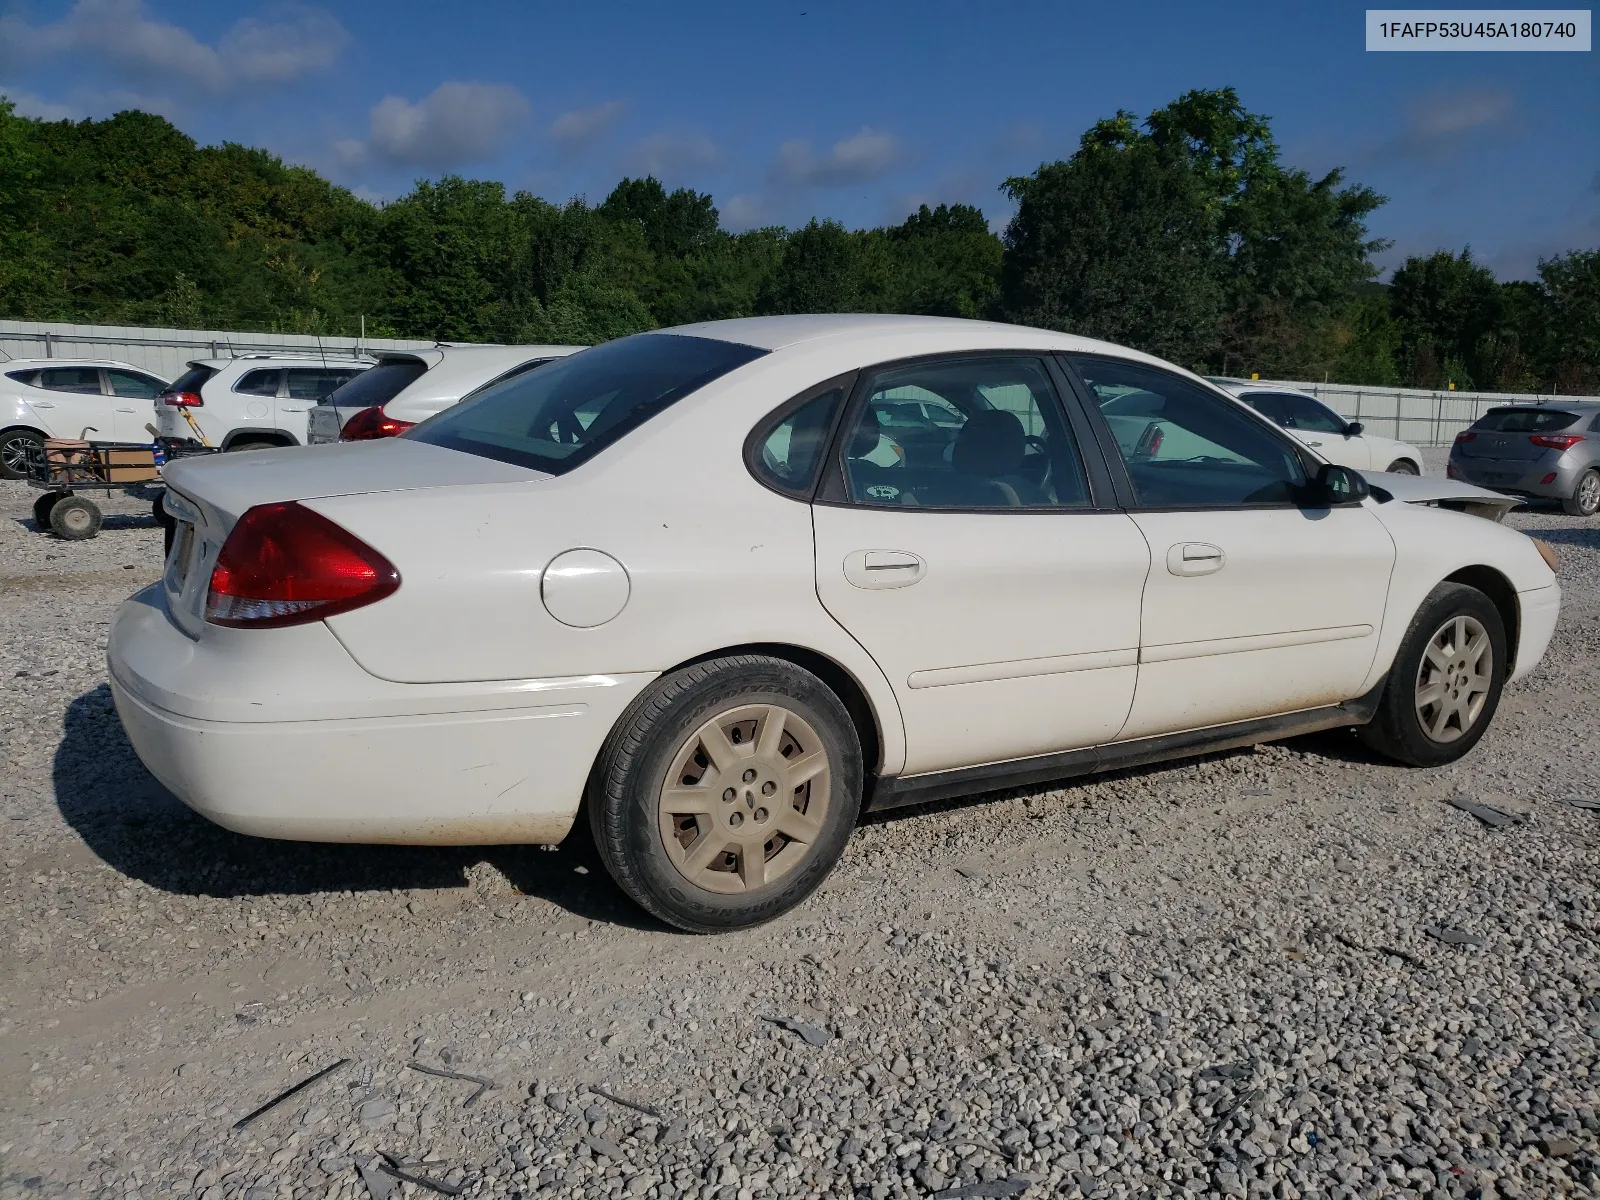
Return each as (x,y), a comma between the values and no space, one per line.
(292,408)
(883,569)
(42,403)
(127,410)
(1313,443)
(1195,558)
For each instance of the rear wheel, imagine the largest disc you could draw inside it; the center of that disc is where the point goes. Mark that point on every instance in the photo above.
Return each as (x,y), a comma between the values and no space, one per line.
(253,444)
(726,792)
(75,519)
(42,507)
(1446,680)
(1403,466)
(16,447)
(1585,498)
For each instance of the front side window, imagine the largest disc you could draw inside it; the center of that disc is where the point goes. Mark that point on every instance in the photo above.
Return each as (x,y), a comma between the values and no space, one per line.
(785,455)
(569,410)
(259,382)
(315,383)
(965,433)
(1295,412)
(85,380)
(137,387)
(1186,447)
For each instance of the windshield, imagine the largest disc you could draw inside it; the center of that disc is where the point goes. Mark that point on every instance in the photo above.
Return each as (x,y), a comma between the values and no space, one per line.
(566,412)
(378,385)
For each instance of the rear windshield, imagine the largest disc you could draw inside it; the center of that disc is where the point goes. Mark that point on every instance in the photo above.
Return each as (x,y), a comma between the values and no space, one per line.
(192,380)
(568,411)
(378,385)
(1524,420)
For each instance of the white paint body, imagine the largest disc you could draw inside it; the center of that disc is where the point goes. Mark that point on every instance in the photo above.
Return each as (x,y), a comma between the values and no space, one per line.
(1364,451)
(98,416)
(470,705)
(227,414)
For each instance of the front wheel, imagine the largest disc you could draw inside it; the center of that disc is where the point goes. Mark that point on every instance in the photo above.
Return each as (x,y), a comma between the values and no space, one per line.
(1446,680)
(1403,466)
(1585,499)
(17,446)
(726,792)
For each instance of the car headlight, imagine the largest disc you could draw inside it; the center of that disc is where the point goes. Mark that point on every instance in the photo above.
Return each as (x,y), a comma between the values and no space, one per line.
(1547,552)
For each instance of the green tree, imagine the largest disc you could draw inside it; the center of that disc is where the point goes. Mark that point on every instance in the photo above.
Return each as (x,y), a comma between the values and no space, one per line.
(1570,287)
(1446,306)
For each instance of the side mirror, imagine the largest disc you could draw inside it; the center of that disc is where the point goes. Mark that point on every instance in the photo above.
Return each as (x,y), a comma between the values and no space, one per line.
(1354,429)
(1338,485)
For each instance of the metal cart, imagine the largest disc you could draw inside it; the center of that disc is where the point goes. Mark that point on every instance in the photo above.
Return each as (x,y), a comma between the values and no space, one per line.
(62,468)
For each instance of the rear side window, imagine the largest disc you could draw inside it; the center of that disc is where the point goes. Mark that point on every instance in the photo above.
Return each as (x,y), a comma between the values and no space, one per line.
(259,382)
(31,378)
(313,383)
(192,380)
(1524,420)
(568,411)
(785,454)
(377,385)
(71,379)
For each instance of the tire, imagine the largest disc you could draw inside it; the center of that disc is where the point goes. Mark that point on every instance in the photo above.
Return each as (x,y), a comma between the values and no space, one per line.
(42,507)
(158,510)
(663,735)
(1402,466)
(1585,498)
(75,519)
(1409,730)
(16,445)
(253,444)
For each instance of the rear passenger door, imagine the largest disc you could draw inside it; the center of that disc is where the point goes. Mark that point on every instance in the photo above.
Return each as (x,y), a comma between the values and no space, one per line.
(70,403)
(303,389)
(133,401)
(984,567)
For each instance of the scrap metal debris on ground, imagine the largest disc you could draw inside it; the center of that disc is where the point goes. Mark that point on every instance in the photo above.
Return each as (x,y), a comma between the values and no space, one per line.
(282,1096)
(1494,818)
(484,1085)
(647,1109)
(1453,937)
(814,1035)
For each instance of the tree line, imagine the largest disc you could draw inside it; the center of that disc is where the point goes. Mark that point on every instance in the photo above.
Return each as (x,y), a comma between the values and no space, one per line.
(1183,234)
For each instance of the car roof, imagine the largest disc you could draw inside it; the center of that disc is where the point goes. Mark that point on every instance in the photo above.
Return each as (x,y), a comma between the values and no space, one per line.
(32,364)
(1555,403)
(278,360)
(780,333)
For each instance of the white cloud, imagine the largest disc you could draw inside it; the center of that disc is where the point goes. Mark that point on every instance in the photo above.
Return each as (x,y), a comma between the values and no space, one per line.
(744,211)
(458,123)
(125,37)
(670,156)
(1444,125)
(857,159)
(29,105)
(579,128)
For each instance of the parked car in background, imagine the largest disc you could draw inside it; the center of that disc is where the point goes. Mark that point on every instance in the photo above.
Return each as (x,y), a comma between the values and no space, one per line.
(663,577)
(1548,451)
(251,402)
(102,400)
(1347,443)
(408,386)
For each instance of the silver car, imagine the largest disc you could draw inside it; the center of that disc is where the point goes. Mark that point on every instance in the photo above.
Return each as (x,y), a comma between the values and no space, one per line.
(1549,450)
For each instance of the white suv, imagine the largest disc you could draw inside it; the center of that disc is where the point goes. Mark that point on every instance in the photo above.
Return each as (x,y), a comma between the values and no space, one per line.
(101,400)
(251,402)
(408,386)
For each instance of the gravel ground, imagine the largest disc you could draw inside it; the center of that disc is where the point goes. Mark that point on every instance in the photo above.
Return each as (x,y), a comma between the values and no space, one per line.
(1217,977)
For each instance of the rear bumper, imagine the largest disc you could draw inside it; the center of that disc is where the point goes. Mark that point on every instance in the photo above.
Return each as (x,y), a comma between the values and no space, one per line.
(1519,478)
(402,763)
(1538,611)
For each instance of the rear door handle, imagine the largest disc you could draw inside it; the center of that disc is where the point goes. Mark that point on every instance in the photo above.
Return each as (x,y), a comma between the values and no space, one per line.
(42,403)
(1195,558)
(883,569)
(1313,443)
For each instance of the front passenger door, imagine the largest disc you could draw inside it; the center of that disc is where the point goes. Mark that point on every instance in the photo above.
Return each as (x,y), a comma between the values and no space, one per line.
(70,404)
(1254,605)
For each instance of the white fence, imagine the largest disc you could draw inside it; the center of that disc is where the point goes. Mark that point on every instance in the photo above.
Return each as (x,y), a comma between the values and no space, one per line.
(164,352)
(1420,417)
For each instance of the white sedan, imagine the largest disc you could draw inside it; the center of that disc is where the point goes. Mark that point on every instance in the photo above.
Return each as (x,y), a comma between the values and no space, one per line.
(1348,443)
(671,581)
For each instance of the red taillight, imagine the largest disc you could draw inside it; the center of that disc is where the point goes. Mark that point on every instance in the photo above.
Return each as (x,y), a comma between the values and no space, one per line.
(1556,441)
(286,565)
(1466,435)
(182,400)
(370,423)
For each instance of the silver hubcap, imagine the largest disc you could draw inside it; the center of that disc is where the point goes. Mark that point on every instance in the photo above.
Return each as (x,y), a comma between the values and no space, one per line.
(1589,492)
(15,454)
(1453,680)
(746,798)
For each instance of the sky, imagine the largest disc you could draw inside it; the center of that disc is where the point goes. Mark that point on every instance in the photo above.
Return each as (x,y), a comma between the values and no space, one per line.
(856,111)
